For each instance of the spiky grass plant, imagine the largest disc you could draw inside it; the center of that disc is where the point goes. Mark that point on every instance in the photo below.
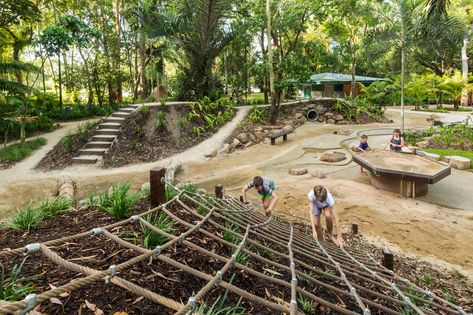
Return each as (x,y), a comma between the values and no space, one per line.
(14,287)
(151,239)
(24,219)
(50,208)
(119,201)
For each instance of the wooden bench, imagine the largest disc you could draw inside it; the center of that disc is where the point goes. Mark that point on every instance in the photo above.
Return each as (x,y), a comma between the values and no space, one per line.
(278,134)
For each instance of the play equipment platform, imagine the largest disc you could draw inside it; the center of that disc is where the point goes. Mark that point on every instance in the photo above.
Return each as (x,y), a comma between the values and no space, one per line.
(404,173)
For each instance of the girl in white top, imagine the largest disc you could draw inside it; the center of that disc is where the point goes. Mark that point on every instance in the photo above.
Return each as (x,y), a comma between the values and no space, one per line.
(321,200)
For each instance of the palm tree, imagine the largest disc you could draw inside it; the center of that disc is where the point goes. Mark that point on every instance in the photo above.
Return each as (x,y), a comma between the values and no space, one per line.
(200,28)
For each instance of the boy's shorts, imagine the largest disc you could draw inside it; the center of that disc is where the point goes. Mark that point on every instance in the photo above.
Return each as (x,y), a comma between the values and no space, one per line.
(316,211)
(264,196)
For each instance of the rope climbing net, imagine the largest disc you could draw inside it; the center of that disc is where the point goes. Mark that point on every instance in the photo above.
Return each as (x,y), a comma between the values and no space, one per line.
(239,245)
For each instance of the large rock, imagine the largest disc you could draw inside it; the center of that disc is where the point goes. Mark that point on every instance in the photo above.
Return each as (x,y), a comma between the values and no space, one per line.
(332,157)
(235,143)
(432,156)
(298,171)
(225,148)
(328,114)
(321,119)
(252,138)
(243,137)
(460,162)
(422,144)
(260,135)
(248,144)
(320,109)
(212,153)
(337,117)
(343,122)
(310,106)
(318,173)
(258,129)
(288,128)
(289,122)
(330,121)
(299,115)
(172,169)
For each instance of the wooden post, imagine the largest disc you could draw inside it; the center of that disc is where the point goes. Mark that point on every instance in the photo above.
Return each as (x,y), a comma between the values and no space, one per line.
(219,191)
(241,198)
(157,188)
(354,227)
(388,259)
(273,141)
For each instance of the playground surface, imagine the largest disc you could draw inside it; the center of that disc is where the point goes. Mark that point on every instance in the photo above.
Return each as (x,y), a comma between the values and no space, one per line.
(437,227)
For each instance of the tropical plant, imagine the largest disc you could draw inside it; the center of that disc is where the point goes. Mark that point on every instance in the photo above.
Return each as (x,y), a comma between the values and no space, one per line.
(160,220)
(256,115)
(182,122)
(306,305)
(14,287)
(198,131)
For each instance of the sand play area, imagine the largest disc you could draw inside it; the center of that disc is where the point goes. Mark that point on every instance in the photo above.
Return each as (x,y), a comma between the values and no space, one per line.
(437,227)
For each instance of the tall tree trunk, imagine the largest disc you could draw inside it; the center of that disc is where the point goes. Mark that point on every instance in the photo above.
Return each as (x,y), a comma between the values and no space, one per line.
(464,55)
(265,77)
(274,109)
(117,58)
(403,66)
(90,98)
(16,57)
(143,81)
(60,81)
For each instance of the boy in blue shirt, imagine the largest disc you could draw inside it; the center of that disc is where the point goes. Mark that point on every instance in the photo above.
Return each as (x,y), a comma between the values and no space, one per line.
(361,148)
(265,187)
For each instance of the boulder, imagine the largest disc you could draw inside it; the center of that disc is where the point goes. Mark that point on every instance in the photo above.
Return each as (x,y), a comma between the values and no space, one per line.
(288,128)
(321,119)
(432,156)
(289,122)
(460,162)
(318,173)
(330,121)
(328,114)
(297,171)
(212,153)
(299,115)
(235,143)
(259,135)
(320,109)
(337,117)
(310,106)
(225,149)
(332,157)
(243,137)
(422,144)
(252,138)
(343,122)
(248,144)
(258,129)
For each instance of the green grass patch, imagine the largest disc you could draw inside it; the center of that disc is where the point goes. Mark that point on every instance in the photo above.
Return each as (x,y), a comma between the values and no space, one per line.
(18,151)
(118,201)
(25,219)
(447,152)
(14,287)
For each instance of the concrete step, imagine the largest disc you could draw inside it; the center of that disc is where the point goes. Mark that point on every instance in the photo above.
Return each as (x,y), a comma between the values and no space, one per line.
(98,144)
(109,125)
(121,114)
(92,151)
(114,120)
(112,132)
(134,105)
(126,109)
(103,138)
(85,159)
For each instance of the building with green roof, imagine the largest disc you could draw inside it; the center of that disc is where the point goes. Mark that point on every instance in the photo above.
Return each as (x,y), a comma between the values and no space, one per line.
(331,85)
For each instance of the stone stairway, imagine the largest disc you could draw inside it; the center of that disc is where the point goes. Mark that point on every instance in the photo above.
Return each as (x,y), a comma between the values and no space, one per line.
(103,137)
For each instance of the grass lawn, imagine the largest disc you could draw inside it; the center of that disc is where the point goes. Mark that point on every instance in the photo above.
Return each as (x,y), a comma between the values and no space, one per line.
(256,96)
(442,153)
(18,151)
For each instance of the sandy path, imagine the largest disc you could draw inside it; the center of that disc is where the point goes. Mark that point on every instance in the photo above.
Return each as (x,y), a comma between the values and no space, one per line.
(16,183)
(415,226)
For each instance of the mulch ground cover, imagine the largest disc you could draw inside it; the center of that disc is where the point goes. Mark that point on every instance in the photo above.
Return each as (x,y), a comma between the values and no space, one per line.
(141,141)
(61,154)
(100,253)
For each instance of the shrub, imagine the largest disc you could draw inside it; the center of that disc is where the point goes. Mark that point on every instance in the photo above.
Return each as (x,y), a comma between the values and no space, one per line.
(67,143)
(14,287)
(25,219)
(256,115)
(18,151)
(118,202)
(151,239)
(182,122)
(161,122)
